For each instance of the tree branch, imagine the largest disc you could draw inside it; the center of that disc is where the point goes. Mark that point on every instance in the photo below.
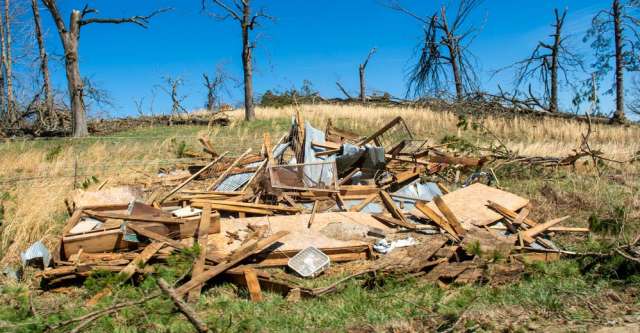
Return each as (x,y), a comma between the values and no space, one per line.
(140,20)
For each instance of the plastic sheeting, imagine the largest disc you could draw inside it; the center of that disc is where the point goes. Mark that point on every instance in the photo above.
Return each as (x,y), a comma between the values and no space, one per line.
(318,173)
(37,254)
(373,159)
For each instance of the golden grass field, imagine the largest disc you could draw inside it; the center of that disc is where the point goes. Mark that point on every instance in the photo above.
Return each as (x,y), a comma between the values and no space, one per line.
(36,176)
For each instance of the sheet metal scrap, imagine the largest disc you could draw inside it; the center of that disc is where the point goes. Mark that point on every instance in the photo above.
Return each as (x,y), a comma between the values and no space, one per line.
(359,191)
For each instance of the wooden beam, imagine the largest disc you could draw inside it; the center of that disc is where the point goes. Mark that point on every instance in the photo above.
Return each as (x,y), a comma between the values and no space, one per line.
(534,231)
(314,209)
(508,213)
(394,222)
(141,259)
(437,219)
(202,238)
(194,176)
(242,253)
(448,214)
(364,203)
(234,208)
(392,208)
(248,204)
(158,219)
(253,285)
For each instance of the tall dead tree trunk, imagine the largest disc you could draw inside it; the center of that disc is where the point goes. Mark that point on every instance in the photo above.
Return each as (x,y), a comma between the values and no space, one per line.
(3,94)
(240,10)
(451,43)
(7,61)
(618,115)
(70,37)
(361,72)
(247,47)
(555,51)
(44,68)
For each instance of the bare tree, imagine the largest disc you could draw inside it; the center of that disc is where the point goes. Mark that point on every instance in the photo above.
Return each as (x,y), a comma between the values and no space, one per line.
(215,87)
(615,34)
(240,11)
(44,66)
(361,70)
(7,61)
(545,64)
(446,44)
(171,89)
(70,37)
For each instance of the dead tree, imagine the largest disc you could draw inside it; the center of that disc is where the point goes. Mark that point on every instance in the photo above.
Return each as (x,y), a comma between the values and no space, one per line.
(7,61)
(215,87)
(171,89)
(446,43)
(240,11)
(361,69)
(70,37)
(44,68)
(545,64)
(615,34)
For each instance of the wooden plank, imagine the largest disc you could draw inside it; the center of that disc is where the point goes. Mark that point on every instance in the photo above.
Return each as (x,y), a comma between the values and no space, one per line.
(253,285)
(223,176)
(72,221)
(158,219)
(232,208)
(314,209)
(203,238)
(437,219)
(242,253)
(194,176)
(510,214)
(391,207)
(141,259)
(277,208)
(394,222)
(522,215)
(449,215)
(534,231)
(364,203)
(348,176)
(553,229)
(326,145)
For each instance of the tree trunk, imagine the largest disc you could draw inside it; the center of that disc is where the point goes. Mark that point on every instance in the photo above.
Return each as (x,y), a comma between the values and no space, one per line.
(618,115)
(249,112)
(3,95)
(74,79)
(453,53)
(44,67)
(11,107)
(363,95)
(553,103)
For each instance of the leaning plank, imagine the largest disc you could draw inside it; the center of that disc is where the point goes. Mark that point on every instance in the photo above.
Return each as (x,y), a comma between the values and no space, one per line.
(239,255)
(391,207)
(203,238)
(73,220)
(182,306)
(534,231)
(314,209)
(437,219)
(224,175)
(253,285)
(141,259)
(194,176)
(449,215)
(364,203)
(510,214)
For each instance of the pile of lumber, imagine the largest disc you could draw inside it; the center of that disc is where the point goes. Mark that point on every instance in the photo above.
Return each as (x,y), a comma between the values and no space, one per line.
(365,202)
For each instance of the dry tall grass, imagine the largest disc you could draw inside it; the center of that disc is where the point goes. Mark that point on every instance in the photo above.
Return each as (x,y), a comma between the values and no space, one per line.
(34,205)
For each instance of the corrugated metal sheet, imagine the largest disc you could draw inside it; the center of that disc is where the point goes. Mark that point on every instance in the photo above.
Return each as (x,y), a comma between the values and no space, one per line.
(415,191)
(234,182)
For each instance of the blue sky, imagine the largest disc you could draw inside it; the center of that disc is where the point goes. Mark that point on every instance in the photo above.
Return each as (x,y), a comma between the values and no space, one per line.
(320,41)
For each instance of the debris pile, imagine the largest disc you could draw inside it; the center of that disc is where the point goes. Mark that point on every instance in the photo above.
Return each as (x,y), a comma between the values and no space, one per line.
(314,203)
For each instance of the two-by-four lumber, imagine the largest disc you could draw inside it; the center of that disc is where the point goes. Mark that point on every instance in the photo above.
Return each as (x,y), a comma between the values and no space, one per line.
(182,306)
(223,176)
(202,238)
(392,208)
(364,203)
(239,255)
(542,227)
(314,209)
(437,219)
(194,176)
(234,208)
(276,208)
(253,285)
(448,214)
(508,213)
(158,219)
(395,222)
(141,259)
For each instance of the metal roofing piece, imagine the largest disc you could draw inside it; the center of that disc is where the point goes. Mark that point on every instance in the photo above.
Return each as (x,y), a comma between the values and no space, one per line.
(37,254)
(234,182)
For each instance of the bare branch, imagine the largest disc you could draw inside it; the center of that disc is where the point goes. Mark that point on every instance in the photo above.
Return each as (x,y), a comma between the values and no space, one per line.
(140,20)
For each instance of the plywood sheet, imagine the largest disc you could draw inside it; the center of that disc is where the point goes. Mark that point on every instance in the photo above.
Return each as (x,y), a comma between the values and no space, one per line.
(300,236)
(469,204)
